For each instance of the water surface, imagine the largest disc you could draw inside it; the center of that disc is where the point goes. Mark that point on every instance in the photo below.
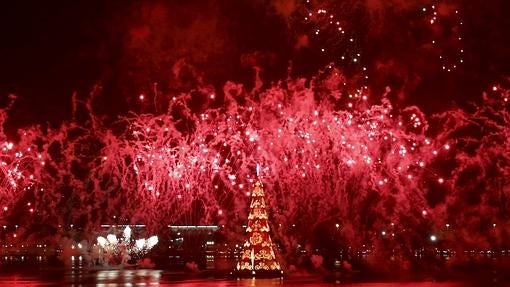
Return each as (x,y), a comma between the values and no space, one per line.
(149,277)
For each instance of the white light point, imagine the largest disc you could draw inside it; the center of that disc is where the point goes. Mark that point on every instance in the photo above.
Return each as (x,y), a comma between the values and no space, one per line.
(140,243)
(101,241)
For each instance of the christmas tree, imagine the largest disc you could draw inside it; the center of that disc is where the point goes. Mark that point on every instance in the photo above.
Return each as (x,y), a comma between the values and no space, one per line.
(258,257)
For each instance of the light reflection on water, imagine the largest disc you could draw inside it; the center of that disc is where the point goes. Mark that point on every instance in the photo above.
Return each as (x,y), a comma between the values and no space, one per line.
(149,277)
(138,277)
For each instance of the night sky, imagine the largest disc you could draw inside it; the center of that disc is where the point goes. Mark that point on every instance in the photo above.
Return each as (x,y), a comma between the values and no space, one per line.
(50,49)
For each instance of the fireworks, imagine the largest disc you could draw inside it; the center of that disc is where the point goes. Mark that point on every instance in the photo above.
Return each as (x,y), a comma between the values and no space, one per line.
(321,158)
(331,151)
(446,23)
(121,251)
(327,30)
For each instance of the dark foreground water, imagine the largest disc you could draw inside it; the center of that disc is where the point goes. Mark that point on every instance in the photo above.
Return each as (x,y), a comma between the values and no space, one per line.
(149,277)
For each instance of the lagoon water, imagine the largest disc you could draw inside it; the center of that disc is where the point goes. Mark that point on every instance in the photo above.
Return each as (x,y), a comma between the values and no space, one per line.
(47,273)
(150,277)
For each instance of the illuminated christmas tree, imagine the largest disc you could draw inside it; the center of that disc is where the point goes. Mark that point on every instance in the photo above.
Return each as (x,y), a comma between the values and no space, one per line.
(258,257)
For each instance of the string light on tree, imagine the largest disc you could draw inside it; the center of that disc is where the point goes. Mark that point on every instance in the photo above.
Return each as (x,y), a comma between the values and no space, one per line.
(258,258)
